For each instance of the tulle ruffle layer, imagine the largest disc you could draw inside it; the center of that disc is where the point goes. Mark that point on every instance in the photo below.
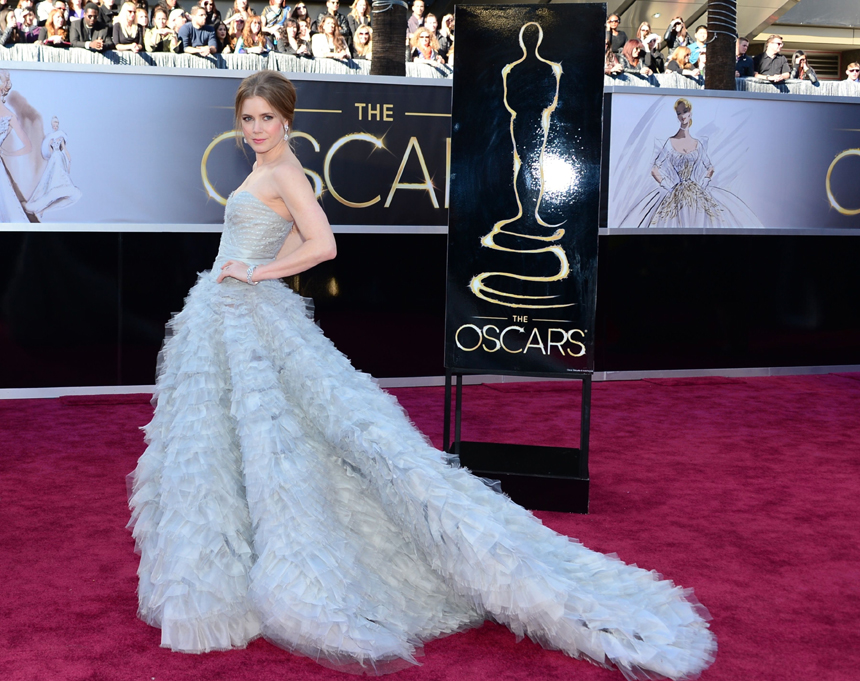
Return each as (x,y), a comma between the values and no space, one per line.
(284,494)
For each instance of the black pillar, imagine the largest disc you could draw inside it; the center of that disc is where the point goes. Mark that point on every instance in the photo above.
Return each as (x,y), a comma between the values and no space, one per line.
(722,37)
(389,38)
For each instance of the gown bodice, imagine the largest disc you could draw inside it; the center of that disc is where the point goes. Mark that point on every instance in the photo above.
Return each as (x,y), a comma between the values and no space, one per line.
(5,126)
(684,164)
(253,232)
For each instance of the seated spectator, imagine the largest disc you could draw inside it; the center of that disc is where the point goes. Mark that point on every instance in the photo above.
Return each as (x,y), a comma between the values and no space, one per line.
(213,16)
(616,37)
(611,64)
(363,43)
(127,33)
(108,12)
(425,48)
(700,46)
(289,41)
(253,40)
(801,70)
(653,58)
(161,38)
(679,62)
(8,26)
(331,7)
(359,15)
(770,64)
(416,19)
(676,34)
(632,59)
(305,32)
(222,38)
(90,32)
(76,9)
(329,43)
(28,29)
(273,17)
(56,32)
(197,38)
(743,63)
(446,35)
(852,73)
(176,20)
(235,29)
(239,9)
(300,11)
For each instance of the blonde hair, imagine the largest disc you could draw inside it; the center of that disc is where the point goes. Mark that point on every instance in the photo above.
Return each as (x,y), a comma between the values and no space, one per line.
(360,50)
(275,88)
(5,84)
(680,55)
(685,103)
(128,12)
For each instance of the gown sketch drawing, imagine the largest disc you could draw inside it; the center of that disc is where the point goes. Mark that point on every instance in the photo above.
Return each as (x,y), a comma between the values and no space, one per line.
(685,195)
(283,494)
(55,188)
(10,205)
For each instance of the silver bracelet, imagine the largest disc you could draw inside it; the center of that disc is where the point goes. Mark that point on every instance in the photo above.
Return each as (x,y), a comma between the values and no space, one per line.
(251,274)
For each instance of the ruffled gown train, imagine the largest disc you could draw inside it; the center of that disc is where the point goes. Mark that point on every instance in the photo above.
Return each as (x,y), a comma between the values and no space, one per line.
(283,494)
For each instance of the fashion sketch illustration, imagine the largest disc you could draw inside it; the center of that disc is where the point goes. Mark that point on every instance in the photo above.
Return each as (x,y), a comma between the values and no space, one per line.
(55,188)
(685,195)
(11,209)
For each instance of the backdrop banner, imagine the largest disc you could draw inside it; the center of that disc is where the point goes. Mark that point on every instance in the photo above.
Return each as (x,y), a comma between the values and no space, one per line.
(158,148)
(525,185)
(694,161)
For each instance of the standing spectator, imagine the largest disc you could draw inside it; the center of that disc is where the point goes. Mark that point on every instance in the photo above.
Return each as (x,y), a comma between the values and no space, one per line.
(679,62)
(643,32)
(90,32)
(632,58)
(235,29)
(300,11)
(76,10)
(197,38)
(446,35)
(213,16)
(359,15)
(253,40)
(852,73)
(771,65)
(23,6)
(28,29)
(616,37)
(168,6)
(56,31)
(431,23)
(676,34)
(363,43)
(239,9)
(800,68)
(331,7)
(289,42)
(273,17)
(127,33)
(653,58)
(743,63)
(329,42)
(700,46)
(425,48)
(107,12)
(416,20)
(161,38)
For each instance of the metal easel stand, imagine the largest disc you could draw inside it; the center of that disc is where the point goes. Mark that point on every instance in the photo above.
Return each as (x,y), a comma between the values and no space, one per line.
(536,477)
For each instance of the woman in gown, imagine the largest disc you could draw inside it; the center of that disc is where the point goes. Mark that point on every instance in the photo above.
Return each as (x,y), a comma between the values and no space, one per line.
(283,494)
(10,203)
(55,188)
(685,197)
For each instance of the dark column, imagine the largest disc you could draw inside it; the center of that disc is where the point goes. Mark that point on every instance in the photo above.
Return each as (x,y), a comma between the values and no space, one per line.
(389,38)
(722,31)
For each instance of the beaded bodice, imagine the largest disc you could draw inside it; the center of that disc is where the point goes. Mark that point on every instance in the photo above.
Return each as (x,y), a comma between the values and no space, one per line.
(5,126)
(253,232)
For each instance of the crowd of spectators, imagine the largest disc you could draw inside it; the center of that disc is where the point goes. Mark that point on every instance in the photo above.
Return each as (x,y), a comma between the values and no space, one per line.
(137,26)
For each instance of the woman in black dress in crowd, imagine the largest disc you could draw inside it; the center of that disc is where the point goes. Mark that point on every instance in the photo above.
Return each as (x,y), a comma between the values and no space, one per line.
(632,59)
(801,69)
(616,37)
(679,62)
(289,41)
(127,33)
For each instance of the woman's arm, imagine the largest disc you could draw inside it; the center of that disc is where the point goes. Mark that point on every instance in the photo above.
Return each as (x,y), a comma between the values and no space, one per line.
(311,241)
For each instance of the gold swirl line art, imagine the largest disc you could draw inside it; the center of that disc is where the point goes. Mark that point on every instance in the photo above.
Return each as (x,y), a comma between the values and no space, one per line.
(476,285)
(833,201)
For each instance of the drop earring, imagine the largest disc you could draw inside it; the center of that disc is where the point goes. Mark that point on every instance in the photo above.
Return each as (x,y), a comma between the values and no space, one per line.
(286,132)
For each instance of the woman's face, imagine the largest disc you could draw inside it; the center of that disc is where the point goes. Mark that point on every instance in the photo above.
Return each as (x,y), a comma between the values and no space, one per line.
(262,126)
(304,31)
(160,20)
(424,40)
(684,116)
(58,21)
(170,3)
(328,26)
(239,26)
(364,36)
(142,18)
(28,19)
(256,26)
(55,124)
(292,30)
(241,5)
(301,10)
(221,32)
(361,7)
(645,29)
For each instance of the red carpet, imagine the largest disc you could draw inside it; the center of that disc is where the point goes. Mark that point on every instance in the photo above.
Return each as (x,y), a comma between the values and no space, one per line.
(747,490)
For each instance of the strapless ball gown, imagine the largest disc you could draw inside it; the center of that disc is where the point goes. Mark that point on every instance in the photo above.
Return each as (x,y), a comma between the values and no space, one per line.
(284,494)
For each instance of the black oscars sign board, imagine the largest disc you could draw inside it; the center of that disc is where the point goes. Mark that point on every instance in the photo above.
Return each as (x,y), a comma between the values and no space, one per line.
(523,219)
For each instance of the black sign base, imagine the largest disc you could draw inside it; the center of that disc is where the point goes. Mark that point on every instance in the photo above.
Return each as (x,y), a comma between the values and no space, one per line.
(537,478)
